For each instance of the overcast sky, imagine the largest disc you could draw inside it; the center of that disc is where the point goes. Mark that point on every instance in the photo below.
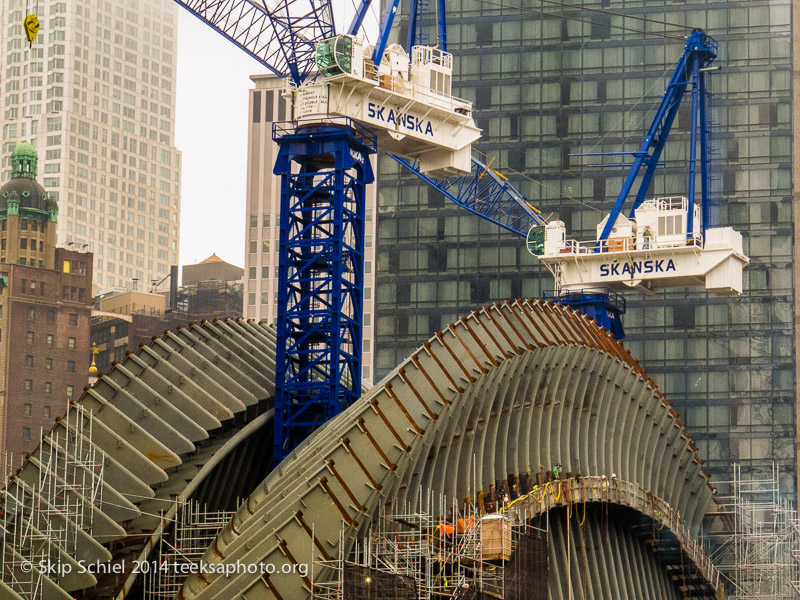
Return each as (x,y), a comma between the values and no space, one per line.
(211,132)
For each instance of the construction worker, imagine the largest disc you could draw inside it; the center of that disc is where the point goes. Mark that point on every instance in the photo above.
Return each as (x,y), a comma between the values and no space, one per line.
(647,237)
(557,471)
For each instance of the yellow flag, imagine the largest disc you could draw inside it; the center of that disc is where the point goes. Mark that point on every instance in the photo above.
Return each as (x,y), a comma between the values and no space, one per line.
(31,24)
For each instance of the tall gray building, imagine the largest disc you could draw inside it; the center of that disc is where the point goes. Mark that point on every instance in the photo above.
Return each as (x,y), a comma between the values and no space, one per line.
(95,95)
(549,81)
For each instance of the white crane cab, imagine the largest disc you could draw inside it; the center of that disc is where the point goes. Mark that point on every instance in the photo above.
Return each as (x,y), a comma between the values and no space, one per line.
(653,250)
(406,101)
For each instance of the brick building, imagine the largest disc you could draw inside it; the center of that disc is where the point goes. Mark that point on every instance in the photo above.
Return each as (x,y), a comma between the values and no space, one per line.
(45,309)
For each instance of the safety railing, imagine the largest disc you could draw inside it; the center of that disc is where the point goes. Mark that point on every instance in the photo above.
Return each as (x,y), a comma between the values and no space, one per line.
(627,244)
(563,492)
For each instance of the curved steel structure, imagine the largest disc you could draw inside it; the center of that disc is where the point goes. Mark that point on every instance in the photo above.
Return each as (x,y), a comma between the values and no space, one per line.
(477,413)
(486,403)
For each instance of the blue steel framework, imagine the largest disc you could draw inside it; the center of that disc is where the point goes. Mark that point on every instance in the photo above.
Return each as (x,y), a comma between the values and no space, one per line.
(324,171)
(485,193)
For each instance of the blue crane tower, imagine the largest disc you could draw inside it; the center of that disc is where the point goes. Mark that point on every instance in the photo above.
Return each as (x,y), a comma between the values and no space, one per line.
(324,166)
(663,242)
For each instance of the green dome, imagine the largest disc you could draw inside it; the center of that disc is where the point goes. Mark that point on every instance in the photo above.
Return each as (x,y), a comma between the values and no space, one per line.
(24,149)
(22,189)
(23,161)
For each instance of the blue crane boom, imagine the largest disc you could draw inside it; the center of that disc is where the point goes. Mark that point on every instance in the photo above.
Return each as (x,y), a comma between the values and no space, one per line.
(486,193)
(698,53)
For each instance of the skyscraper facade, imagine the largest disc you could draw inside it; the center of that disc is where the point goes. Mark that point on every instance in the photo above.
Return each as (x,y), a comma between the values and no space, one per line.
(263,204)
(549,81)
(94,93)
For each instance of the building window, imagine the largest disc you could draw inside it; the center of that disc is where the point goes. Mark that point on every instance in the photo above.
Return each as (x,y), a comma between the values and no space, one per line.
(49,339)
(265,246)
(73,319)
(29,337)
(51,315)
(27,409)
(253,220)
(251,299)
(31,313)
(29,385)
(253,246)
(252,272)
(256,107)
(70,366)
(265,221)
(47,412)
(71,343)
(48,364)
(23,243)
(264,297)
(26,433)
(48,387)
(28,360)
(70,391)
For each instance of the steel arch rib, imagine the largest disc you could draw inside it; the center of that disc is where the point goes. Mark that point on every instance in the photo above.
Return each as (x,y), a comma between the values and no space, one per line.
(449,410)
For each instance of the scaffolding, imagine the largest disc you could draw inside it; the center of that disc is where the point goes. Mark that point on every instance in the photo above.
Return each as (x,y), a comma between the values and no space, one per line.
(42,514)
(414,555)
(755,541)
(192,533)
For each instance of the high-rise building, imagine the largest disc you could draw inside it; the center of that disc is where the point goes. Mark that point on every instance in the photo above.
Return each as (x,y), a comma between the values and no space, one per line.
(95,95)
(549,80)
(45,307)
(263,204)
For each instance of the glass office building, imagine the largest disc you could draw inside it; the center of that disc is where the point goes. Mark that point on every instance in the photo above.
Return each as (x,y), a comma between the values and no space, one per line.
(548,81)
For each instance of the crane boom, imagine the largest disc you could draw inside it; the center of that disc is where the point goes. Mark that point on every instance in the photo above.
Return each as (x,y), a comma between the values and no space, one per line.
(283,37)
(487,194)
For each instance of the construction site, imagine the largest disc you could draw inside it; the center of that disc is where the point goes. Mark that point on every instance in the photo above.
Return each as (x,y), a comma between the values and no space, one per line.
(520,452)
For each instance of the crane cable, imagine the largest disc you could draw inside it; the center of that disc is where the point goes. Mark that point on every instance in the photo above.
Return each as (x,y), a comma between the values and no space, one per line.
(615,14)
(609,25)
